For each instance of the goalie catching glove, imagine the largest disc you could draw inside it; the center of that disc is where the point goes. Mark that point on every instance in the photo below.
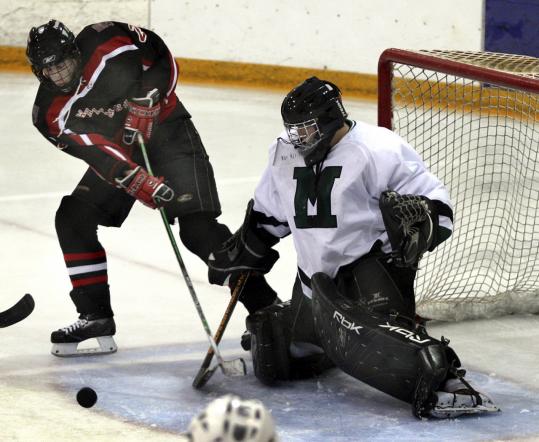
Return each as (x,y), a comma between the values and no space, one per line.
(148,189)
(411,223)
(241,252)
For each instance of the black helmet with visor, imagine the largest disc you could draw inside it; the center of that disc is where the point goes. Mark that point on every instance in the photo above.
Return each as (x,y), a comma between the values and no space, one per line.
(312,113)
(54,56)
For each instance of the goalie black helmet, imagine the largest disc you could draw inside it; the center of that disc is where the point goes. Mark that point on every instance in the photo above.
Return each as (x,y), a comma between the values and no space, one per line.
(54,56)
(312,113)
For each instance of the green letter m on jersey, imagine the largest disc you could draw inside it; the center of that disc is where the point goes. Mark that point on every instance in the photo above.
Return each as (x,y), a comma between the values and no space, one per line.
(317,191)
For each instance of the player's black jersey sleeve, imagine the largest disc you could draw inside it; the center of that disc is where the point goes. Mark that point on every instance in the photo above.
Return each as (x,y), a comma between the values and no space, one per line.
(119,62)
(106,157)
(156,65)
(163,71)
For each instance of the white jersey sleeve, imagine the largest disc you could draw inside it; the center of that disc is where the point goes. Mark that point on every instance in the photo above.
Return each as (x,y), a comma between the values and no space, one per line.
(268,204)
(395,165)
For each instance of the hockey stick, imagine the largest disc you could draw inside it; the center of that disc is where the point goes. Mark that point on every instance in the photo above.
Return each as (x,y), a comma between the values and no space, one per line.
(205,372)
(18,312)
(235,367)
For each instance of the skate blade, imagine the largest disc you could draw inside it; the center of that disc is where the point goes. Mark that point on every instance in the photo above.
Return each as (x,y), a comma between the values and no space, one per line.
(453,412)
(69,350)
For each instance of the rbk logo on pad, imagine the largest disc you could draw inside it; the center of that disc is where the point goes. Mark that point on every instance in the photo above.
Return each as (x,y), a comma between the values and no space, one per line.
(345,323)
(406,333)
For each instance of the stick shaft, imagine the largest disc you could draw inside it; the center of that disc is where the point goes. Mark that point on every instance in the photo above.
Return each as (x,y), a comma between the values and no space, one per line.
(185,274)
(227,315)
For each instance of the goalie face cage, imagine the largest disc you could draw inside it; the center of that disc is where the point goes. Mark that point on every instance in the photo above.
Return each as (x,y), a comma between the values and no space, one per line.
(473,118)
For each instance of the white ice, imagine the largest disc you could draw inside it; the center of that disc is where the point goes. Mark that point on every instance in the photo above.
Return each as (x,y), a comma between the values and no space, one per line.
(145,389)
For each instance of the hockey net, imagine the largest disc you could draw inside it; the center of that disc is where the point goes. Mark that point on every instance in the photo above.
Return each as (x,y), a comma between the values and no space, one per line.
(473,117)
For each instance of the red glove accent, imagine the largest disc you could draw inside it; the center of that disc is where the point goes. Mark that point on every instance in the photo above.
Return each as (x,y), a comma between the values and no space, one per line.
(141,117)
(149,190)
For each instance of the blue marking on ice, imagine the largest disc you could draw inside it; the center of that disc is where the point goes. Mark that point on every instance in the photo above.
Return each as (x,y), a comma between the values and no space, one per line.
(152,387)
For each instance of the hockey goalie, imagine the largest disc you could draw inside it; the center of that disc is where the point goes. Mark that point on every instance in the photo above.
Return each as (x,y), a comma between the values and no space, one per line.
(362,209)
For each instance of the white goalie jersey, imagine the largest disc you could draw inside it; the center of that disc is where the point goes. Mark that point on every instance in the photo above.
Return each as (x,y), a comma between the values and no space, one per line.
(331,208)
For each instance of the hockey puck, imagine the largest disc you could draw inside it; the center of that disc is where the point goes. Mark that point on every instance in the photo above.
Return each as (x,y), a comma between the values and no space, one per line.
(86,397)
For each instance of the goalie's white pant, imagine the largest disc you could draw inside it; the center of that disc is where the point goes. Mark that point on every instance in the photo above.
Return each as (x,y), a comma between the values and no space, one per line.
(457,399)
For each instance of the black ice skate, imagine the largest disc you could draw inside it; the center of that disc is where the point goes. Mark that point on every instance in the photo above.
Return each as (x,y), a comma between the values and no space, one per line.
(66,340)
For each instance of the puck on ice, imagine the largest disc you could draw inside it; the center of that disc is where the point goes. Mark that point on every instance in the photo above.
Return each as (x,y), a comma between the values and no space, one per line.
(86,397)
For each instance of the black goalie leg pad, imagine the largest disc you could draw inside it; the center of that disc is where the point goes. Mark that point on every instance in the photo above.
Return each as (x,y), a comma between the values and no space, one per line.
(269,332)
(434,369)
(270,342)
(369,346)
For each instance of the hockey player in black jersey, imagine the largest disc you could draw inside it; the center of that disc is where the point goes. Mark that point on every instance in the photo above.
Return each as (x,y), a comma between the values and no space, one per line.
(362,208)
(98,90)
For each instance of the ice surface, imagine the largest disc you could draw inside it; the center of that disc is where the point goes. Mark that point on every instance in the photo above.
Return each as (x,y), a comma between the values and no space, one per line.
(151,386)
(145,389)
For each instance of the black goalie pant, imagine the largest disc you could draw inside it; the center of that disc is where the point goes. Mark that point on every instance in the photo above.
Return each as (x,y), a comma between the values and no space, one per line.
(176,152)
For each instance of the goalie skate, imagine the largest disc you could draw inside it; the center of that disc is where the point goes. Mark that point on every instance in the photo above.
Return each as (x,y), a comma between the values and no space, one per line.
(66,340)
(459,399)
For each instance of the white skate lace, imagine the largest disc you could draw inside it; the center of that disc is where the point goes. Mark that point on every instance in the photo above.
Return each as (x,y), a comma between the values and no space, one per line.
(76,325)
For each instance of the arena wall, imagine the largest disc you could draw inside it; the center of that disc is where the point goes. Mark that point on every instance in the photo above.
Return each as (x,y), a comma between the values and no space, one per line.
(269,44)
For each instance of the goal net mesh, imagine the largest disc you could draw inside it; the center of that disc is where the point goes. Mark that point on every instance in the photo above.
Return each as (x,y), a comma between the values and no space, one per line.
(482,140)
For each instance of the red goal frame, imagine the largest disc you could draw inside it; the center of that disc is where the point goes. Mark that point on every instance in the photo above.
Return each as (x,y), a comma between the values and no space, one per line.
(431,62)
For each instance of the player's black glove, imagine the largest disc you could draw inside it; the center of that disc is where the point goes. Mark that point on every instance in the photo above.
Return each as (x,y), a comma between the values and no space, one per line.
(411,222)
(242,251)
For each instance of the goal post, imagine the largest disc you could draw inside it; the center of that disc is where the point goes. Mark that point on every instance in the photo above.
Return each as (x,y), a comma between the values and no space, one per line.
(473,117)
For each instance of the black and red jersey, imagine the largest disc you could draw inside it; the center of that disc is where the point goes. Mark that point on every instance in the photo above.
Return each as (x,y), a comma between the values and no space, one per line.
(119,62)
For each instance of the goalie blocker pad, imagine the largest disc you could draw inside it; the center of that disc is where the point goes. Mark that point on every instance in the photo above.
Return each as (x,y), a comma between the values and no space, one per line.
(374,348)
(247,249)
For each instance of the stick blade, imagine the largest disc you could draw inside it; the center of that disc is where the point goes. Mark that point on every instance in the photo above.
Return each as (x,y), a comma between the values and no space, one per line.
(203,376)
(235,367)
(18,312)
